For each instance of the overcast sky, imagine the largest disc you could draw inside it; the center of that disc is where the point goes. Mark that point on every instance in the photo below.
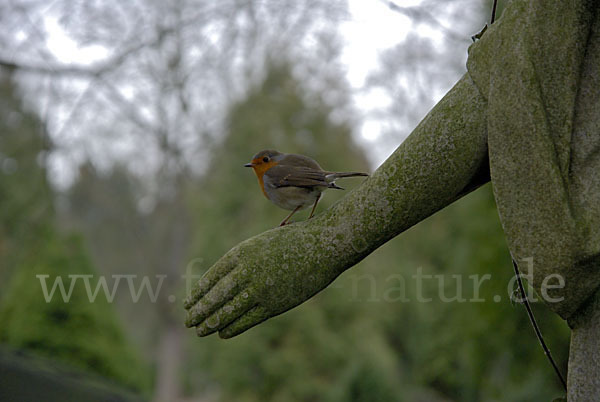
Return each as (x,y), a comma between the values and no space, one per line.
(372,28)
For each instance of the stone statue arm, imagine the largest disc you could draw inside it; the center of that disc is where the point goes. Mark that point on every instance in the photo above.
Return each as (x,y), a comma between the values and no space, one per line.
(444,158)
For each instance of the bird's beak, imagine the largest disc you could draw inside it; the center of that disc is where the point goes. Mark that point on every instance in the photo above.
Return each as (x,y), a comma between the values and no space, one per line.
(249,164)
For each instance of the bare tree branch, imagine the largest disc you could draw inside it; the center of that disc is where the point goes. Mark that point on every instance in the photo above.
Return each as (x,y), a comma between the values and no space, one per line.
(418,13)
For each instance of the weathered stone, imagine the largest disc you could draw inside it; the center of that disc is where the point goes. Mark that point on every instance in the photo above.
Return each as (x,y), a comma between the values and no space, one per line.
(539,69)
(584,355)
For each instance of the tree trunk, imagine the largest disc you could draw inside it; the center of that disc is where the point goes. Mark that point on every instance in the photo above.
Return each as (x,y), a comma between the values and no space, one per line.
(169,356)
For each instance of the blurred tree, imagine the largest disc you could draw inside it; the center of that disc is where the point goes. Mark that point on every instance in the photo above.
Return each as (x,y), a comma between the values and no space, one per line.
(79,332)
(130,231)
(25,197)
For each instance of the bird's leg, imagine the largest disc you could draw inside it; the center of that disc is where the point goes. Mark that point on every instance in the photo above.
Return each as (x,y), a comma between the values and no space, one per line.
(314,206)
(283,222)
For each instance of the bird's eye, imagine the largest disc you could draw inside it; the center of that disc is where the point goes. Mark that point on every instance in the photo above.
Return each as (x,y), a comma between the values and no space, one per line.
(266,159)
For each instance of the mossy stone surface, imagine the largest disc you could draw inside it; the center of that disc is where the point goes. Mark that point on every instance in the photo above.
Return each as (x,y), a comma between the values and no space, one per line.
(539,69)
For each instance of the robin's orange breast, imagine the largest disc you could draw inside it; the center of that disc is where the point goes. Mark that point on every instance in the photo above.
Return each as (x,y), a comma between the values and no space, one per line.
(260,171)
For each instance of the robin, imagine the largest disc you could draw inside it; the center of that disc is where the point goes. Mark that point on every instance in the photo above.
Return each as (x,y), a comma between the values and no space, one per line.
(293,182)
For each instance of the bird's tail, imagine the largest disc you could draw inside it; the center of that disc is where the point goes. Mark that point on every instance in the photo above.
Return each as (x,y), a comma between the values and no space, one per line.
(339,175)
(333,176)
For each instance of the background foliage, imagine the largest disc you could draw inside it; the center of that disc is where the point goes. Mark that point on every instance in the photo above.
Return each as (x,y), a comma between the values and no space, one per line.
(84,334)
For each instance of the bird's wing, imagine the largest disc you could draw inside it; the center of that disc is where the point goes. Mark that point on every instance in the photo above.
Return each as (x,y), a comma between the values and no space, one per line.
(296,176)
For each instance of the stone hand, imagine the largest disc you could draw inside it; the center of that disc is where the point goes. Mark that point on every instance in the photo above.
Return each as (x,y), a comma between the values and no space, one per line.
(261,277)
